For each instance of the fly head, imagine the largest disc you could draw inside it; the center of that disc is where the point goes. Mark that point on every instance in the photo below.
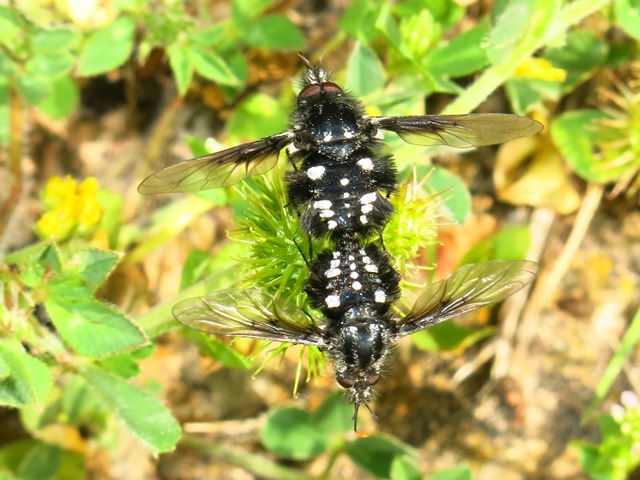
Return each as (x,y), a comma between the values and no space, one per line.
(358,349)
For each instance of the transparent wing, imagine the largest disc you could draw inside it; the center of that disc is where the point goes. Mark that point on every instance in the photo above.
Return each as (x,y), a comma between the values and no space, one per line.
(218,169)
(467,288)
(472,130)
(248,313)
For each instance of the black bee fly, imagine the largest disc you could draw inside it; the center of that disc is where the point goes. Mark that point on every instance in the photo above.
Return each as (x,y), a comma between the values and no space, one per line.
(341,190)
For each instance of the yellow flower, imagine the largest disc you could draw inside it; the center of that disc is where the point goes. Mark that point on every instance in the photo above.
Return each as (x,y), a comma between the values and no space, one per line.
(540,69)
(58,191)
(69,209)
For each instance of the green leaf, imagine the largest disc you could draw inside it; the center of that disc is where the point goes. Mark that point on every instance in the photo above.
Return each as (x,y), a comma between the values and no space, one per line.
(218,350)
(80,406)
(453,473)
(274,32)
(510,25)
(627,13)
(359,21)
(457,199)
(462,56)
(11,454)
(334,416)
(47,65)
(245,10)
(107,48)
(9,25)
(419,32)
(181,67)
(93,265)
(242,124)
(8,68)
(376,454)
(527,94)
(29,381)
(609,428)
(290,433)
(50,256)
(89,326)
(59,40)
(581,55)
(32,254)
(364,71)
(195,265)
(123,366)
(5,370)
(33,88)
(142,414)
(403,469)
(576,135)
(45,461)
(448,336)
(235,58)
(522,22)
(62,99)
(595,463)
(446,12)
(212,66)
(387,25)
(112,215)
(510,243)
(209,36)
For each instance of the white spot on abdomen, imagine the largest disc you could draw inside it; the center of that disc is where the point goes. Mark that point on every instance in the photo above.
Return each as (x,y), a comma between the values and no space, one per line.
(368,198)
(380,296)
(322,204)
(365,164)
(332,301)
(315,173)
(332,273)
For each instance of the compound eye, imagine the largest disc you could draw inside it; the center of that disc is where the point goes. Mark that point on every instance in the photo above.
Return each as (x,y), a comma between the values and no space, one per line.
(331,87)
(310,90)
(345,382)
(373,379)
(316,88)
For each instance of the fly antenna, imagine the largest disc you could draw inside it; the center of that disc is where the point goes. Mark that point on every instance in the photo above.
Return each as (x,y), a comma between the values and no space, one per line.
(306,61)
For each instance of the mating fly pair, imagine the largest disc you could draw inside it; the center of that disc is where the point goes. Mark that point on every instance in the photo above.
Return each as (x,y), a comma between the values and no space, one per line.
(340,188)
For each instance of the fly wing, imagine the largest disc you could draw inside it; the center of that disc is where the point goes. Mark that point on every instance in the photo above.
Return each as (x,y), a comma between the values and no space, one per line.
(462,131)
(248,313)
(468,288)
(218,169)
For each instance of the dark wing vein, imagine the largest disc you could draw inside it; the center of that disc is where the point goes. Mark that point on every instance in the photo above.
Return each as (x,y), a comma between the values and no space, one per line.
(461,131)
(218,169)
(468,288)
(248,313)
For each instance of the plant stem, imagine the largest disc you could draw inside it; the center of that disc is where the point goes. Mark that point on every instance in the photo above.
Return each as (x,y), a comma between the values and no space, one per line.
(627,347)
(253,463)
(496,75)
